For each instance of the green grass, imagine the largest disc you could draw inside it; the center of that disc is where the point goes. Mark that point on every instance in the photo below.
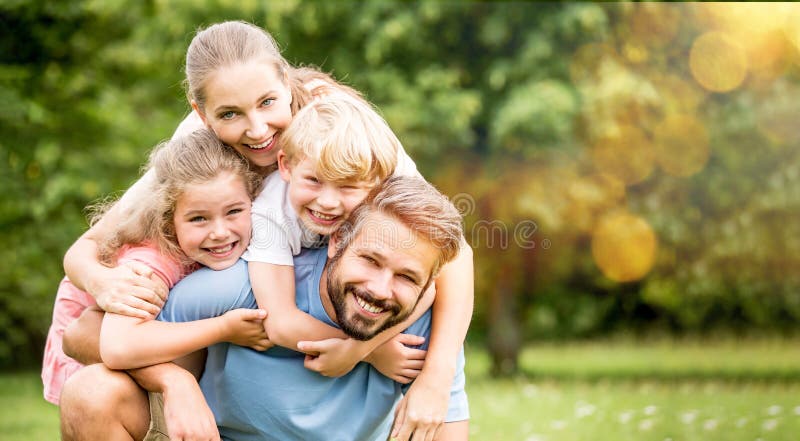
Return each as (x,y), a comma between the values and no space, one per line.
(610,390)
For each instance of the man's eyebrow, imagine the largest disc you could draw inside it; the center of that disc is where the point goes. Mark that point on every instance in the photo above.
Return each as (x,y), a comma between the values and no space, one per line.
(384,257)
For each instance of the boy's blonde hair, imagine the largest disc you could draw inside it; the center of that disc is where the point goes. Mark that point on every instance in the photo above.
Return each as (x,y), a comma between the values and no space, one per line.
(232,42)
(345,136)
(195,158)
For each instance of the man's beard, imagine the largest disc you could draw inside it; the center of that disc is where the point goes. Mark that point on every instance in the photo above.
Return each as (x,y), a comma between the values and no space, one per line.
(356,325)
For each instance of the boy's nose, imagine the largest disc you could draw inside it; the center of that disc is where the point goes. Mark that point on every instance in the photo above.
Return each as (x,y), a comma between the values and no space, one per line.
(328,199)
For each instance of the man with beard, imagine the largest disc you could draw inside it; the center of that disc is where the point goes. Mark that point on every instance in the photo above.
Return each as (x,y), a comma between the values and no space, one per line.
(369,278)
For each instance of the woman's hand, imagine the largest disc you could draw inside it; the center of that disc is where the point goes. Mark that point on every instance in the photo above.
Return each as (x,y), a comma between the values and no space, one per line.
(422,410)
(129,289)
(245,327)
(396,360)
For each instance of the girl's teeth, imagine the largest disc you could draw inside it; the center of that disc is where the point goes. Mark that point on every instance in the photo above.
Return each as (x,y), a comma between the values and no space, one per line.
(368,307)
(221,250)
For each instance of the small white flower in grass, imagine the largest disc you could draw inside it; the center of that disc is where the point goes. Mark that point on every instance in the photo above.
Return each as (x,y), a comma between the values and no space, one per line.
(625,417)
(645,425)
(741,422)
(774,410)
(558,425)
(770,424)
(650,410)
(584,409)
(710,424)
(689,417)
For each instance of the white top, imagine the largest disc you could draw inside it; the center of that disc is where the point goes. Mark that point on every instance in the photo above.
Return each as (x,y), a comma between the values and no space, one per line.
(278,234)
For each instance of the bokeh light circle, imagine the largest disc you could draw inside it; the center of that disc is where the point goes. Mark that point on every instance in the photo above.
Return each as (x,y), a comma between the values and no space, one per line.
(717,62)
(625,153)
(624,247)
(681,145)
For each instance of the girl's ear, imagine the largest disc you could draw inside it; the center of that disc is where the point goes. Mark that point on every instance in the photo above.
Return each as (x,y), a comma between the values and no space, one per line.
(202,114)
(283,166)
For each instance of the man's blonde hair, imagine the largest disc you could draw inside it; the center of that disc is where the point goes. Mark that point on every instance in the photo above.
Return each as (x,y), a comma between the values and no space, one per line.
(345,136)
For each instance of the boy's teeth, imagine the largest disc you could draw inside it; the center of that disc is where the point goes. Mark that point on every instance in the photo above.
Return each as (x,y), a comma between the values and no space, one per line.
(371,308)
(323,216)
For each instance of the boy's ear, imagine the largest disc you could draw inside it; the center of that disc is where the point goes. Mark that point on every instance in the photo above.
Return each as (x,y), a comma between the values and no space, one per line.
(202,114)
(283,166)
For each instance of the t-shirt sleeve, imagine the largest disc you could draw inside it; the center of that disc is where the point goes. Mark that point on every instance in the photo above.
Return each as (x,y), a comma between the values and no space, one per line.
(168,270)
(207,293)
(405,165)
(274,238)
(189,124)
(458,406)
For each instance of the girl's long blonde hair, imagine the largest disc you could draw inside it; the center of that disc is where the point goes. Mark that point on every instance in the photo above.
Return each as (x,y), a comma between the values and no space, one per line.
(183,161)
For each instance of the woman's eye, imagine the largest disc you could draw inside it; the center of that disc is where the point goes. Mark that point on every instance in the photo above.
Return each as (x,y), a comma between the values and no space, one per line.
(227,115)
(267,102)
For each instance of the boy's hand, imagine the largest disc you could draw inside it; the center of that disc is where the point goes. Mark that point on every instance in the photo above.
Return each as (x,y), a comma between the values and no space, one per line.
(333,357)
(129,289)
(245,327)
(422,410)
(396,360)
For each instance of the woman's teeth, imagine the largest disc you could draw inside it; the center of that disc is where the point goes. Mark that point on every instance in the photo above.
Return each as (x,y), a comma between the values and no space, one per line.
(366,306)
(262,145)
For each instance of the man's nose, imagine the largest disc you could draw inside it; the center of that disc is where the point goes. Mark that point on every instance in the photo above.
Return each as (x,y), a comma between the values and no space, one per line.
(380,285)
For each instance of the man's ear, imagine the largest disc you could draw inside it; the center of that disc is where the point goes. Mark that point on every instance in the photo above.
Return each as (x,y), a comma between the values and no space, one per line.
(333,242)
(283,166)
(200,112)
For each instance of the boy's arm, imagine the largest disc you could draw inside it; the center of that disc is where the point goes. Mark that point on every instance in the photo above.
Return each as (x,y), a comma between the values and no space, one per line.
(273,288)
(425,404)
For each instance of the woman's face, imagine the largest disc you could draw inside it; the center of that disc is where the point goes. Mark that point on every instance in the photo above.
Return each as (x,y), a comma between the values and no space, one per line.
(247,106)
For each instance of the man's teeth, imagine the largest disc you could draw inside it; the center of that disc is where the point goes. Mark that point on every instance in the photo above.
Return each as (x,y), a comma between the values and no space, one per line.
(262,145)
(223,249)
(371,308)
(323,216)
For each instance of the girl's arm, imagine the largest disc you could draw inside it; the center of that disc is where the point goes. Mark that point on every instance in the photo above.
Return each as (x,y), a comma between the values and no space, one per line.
(128,342)
(125,289)
(424,406)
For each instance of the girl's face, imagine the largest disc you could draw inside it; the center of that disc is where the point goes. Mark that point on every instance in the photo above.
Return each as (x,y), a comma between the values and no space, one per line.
(248,106)
(212,221)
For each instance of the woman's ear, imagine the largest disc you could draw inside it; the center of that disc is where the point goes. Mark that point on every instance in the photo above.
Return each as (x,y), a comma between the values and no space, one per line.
(200,112)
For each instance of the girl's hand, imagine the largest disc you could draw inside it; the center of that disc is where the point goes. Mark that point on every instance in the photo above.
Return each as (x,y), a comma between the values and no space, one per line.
(129,289)
(245,327)
(332,357)
(421,411)
(396,360)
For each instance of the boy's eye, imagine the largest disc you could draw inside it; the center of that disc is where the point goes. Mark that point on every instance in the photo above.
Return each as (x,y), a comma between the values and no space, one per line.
(312,179)
(227,115)
(267,102)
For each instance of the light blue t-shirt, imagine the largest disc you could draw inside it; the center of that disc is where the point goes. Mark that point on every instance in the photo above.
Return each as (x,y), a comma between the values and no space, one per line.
(271,395)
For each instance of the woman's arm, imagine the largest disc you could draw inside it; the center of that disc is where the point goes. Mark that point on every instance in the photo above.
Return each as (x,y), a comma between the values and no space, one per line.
(424,406)
(125,289)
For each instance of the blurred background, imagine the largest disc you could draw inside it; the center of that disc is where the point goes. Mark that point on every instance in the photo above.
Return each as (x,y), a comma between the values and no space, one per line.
(627,172)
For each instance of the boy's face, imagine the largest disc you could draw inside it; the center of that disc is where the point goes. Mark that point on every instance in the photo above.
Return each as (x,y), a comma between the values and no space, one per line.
(320,204)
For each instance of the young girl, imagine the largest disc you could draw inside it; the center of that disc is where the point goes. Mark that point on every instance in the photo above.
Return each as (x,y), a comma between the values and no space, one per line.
(244,90)
(197,213)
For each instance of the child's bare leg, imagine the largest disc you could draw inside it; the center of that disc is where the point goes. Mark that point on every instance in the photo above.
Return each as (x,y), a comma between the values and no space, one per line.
(100,404)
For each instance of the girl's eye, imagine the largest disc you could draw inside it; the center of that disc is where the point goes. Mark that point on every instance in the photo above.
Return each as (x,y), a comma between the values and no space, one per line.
(197,219)
(267,102)
(227,115)
(235,211)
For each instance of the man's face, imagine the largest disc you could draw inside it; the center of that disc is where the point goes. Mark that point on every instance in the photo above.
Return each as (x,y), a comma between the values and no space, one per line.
(377,280)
